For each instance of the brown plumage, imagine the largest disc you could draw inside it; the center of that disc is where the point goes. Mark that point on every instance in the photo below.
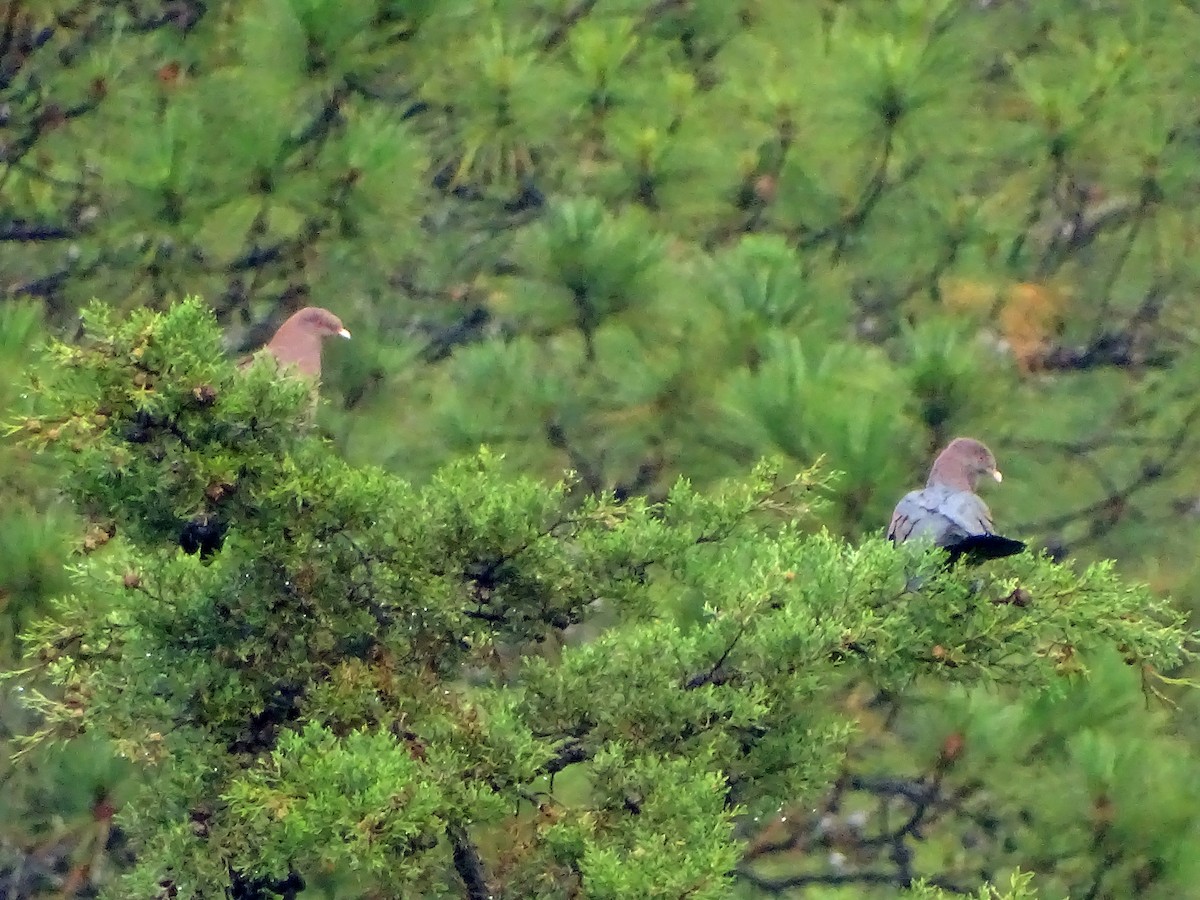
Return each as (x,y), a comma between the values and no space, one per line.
(961,465)
(948,512)
(297,343)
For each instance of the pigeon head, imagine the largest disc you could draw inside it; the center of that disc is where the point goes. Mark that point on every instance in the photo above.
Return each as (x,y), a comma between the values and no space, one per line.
(319,321)
(298,341)
(962,464)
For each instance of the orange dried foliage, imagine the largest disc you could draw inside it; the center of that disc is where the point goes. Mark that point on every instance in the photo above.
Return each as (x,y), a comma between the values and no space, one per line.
(1030,320)
(1028,315)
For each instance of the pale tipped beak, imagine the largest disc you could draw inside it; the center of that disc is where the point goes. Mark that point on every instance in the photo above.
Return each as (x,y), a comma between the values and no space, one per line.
(996,474)
(344,333)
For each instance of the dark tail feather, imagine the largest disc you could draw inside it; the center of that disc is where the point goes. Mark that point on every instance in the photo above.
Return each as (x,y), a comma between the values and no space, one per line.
(978,548)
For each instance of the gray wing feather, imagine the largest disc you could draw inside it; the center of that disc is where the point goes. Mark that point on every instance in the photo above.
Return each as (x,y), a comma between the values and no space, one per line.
(909,513)
(968,512)
(939,514)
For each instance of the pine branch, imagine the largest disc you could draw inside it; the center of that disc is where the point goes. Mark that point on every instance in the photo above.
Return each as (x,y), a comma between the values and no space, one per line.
(468,863)
(20,230)
(572,752)
(589,473)
(1150,472)
(569,20)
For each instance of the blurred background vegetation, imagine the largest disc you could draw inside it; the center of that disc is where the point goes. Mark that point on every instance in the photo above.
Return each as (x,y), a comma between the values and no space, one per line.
(641,239)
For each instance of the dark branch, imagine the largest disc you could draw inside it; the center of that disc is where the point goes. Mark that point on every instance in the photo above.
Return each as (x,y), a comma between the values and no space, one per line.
(468,863)
(588,473)
(574,752)
(20,230)
(569,20)
(716,674)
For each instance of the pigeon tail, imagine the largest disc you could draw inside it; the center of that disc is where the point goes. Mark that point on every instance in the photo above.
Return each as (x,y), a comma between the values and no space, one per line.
(978,548)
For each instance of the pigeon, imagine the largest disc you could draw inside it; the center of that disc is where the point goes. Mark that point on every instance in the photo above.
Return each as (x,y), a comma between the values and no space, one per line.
(948,512)
(297,343)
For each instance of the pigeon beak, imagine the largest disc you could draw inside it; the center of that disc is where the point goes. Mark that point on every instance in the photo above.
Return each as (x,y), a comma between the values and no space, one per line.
(344,333)
(996,474)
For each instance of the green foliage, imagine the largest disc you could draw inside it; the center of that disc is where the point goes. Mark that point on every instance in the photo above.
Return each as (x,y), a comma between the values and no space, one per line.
(40,804)
(801,402)
(946,376)
(678,843)
(300,700)
(642,241)
(35,530)
(294,810)
(1020,888)
(1123,792)
(979,192)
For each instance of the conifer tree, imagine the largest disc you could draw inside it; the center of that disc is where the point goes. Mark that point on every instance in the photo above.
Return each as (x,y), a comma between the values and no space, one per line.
(650,240)
(298,697)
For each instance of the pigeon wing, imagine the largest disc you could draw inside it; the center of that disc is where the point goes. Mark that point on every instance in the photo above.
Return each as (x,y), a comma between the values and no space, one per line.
(907,516)
(939,514)
(966,511)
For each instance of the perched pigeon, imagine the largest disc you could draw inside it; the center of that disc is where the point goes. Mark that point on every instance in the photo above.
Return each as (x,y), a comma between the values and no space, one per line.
(948,512)
(297,343)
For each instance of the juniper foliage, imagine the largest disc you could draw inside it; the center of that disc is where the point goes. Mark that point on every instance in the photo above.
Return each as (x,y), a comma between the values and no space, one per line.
(368,683)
